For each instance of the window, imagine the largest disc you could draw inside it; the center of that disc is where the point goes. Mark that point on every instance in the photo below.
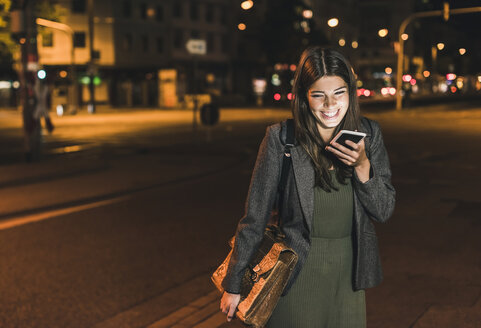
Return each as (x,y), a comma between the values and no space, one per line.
(145,43)
(143,11)
(211,42)
(209,13)
(178,39)
(160,44)
(127,8)
(225,44)
(177,9)
(194,34)
(79,39)
(127,42)
(47,39)
(79,6)
(194,11)
(159,13)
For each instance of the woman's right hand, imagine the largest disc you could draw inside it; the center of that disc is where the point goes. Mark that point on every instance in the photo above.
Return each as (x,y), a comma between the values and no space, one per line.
(228,304)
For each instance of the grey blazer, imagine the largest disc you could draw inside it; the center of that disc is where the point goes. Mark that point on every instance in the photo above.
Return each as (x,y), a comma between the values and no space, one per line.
(373,200)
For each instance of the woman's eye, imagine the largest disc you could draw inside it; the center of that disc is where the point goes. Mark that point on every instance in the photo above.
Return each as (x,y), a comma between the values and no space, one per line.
(340,92)
(317,96)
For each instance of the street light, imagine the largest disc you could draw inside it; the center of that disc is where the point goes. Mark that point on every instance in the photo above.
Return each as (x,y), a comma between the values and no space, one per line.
(342,42)
(440,46)
(354,44)
(241,26)
(383,32)
(404,36)
(333,22)
(462,51)
(307,14)
(246,5)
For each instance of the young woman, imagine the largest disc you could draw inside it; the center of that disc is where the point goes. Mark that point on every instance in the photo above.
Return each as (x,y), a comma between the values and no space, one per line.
(332,195)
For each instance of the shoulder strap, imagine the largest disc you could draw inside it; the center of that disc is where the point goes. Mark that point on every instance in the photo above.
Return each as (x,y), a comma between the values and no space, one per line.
(286,161)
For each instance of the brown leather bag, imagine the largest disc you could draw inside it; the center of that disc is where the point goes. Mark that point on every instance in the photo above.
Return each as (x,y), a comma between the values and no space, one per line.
(269,271)
(264,279)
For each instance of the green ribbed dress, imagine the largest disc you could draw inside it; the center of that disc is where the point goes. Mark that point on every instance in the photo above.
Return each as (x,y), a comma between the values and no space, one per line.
(322,296)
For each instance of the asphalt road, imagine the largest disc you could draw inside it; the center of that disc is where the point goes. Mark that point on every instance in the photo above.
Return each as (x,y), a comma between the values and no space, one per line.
(127,214)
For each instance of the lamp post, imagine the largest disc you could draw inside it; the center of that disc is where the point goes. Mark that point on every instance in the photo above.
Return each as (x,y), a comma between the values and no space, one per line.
(68,30)
(402,28)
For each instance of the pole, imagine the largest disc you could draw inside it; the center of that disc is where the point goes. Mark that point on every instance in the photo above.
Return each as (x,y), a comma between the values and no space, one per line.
(68,30)
(402,28)
(91,105)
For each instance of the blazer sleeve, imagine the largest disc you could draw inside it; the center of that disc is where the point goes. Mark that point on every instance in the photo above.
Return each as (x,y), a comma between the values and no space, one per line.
(377,195)
(260,200)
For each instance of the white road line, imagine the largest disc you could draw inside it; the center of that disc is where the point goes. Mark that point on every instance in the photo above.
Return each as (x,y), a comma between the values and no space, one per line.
(15,222)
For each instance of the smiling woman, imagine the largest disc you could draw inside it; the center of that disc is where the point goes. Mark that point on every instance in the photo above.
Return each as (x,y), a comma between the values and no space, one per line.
(332,193)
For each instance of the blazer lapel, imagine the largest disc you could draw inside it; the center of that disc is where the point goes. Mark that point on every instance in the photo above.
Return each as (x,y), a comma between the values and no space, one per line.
(304,177)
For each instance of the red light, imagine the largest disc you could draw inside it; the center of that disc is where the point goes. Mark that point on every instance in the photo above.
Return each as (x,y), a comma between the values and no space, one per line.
(360,92)
(413,81)
(289,96)
(293,67)
(277,96)
(407,78)
(367,93)
(450,76)
(453,89)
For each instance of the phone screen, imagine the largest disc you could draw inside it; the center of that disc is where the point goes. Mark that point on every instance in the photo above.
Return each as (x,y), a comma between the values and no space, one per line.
(344,135)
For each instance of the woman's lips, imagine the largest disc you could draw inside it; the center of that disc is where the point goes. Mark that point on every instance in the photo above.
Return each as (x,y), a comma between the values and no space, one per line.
(330,115)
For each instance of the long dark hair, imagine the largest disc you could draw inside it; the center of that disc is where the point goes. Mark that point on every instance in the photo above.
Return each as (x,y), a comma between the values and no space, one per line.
(315,63)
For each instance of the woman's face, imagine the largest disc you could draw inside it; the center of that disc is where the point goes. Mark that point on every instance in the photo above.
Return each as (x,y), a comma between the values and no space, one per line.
(329,100)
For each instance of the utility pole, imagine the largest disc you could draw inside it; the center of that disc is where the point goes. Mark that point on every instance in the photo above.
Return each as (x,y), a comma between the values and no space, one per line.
(445,13)
(91,67)
(24,29)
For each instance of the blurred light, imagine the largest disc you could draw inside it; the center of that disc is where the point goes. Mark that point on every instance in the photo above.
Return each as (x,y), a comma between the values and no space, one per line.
(413,82)
(277,96)
(342,42)
(151,12)
(16,84)
(440,46)
(41,74)
(459,84)
(5,84)
(415,88)
(443,87)
(307,14)
(246,5)
(333,22)
(259,86)
(385,91)
(453,89)
(59,110)
(63,74)
(289,96)
(241,26)
(462,51)
(426,73)
(366,93)
(383,32)
(388,70)
(354,44)
(275,80)
(22,40)
(392,91)
(360,92)
(97,80)
(450,76)
(407,78)
(292,67)
(404,36)
(85,80)
(479,79)
(278,67)
(210,78)
(359,83)
(291,82)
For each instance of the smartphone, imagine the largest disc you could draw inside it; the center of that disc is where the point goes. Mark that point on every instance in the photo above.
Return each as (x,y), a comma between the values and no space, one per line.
(345,135)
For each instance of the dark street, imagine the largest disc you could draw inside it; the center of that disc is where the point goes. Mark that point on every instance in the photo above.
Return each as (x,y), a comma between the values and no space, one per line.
(123,221)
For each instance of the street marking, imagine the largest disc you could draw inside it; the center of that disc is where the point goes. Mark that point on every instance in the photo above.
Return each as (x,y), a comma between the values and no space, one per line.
(12,223)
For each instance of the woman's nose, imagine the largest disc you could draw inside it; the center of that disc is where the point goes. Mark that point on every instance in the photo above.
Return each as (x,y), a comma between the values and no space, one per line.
(329,102)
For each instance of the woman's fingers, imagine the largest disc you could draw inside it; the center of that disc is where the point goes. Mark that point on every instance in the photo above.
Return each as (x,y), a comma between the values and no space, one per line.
(343,156)
(230,315)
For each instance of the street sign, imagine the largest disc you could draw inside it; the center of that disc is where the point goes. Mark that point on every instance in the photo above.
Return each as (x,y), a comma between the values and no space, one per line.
(196,46)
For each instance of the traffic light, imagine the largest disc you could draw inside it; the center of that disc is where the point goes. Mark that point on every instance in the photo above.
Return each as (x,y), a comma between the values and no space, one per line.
(446,11)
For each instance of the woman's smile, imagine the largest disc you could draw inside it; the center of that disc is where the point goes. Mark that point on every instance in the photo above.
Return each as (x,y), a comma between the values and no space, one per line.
(330,115)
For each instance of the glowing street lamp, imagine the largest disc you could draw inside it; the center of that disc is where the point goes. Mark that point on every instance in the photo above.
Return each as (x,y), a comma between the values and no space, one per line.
(307,14)
(241,26)
(440,46)
(354,44)
(333,22)
(383,32)
(342,42)
(388,70)
(246,5)
(462,51)
(404,36)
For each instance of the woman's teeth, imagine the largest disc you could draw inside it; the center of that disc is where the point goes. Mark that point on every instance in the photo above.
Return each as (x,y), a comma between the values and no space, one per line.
(330,114)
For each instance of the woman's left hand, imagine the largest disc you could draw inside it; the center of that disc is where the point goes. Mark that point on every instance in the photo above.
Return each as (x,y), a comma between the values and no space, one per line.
(356,157)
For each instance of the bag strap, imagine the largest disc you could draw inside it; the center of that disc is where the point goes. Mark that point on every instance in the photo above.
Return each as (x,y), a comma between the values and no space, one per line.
(286,161)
